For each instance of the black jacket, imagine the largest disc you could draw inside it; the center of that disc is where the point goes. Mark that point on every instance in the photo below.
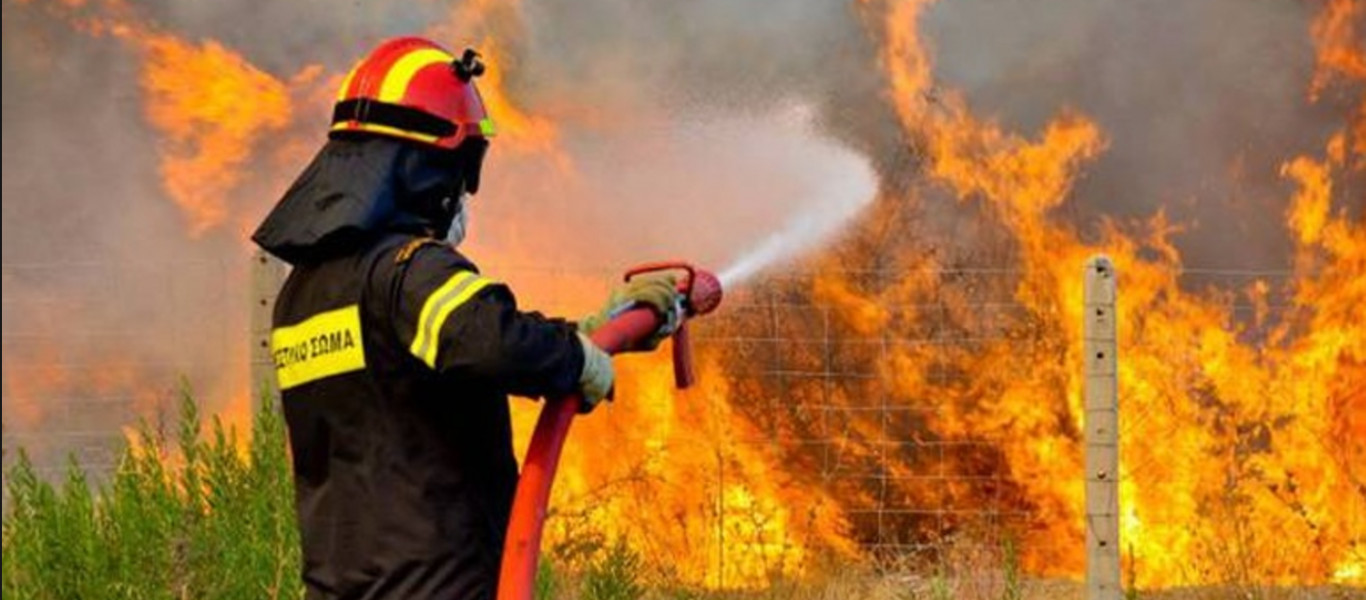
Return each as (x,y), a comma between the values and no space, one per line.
(395,358)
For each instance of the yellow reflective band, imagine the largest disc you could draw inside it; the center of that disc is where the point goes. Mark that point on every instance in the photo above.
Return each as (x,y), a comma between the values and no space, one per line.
(486,127)
(438,307)
(324,345)
(396,80)
(377,128)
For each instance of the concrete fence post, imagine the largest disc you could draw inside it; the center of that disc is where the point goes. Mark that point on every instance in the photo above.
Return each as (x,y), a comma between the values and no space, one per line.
(267,274)
(1101,400)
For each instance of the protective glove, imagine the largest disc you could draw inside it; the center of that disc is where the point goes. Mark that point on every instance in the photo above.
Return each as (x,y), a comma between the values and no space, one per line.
(597,377)
(659,292)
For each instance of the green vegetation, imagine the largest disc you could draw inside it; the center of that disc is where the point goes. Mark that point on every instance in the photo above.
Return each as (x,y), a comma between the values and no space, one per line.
(183,516)
(197,514)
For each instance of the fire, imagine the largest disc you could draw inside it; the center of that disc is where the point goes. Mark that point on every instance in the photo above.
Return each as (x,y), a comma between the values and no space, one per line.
(673,473)
(1338,32)
(209,104)
(1243,443)
(521,131)
(52,387)
(211,107)
(1335,34)
(656,469)
(1244,465)
(26,386)
(499,27)
(662,470)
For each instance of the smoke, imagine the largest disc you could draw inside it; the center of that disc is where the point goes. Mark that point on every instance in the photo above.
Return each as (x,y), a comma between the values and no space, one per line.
(696,142)
(1201,103)
(677,119)
(676,125)
(108,300)
(733,133)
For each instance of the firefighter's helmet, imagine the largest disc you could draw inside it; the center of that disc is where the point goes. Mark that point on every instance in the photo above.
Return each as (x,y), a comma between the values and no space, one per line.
(413,89)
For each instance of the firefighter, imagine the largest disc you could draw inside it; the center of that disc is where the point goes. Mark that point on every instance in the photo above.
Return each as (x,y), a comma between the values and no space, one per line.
(395,355)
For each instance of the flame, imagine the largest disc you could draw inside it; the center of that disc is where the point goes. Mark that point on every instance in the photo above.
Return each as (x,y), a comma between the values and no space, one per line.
(1243,445)
(662,470)
(212,110)
(668,472)
(1338,42)
(520,131)
(211,107)
(499,25)
(52,385)
(209,104)
(27,386)
(1260,445)
(1338,32)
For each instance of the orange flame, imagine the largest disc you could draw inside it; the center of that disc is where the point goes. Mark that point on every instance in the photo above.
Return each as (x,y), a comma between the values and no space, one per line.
(1338,33)
(1256,448)
(662,470)
(211,106)
(1240,458)
(1339,43)
(499,22)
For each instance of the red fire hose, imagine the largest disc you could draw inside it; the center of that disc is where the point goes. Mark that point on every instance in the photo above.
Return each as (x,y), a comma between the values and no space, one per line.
(701,293)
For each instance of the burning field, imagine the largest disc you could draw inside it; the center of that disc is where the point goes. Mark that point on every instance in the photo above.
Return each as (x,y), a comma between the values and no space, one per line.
(901,195)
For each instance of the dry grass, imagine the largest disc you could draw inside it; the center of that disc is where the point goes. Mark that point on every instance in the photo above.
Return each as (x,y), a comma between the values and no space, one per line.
(190,516)
(909,587)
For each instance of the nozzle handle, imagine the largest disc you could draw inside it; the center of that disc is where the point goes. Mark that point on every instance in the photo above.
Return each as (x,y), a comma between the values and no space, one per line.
(685,284)
(701,293)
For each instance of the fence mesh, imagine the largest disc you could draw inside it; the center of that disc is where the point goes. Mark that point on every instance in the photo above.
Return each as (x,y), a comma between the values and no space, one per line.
(92,347)
(894,424)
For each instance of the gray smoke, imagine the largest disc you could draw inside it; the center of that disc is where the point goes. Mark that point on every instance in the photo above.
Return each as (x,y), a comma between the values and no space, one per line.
(107,302)
(676,118)
(1201,103)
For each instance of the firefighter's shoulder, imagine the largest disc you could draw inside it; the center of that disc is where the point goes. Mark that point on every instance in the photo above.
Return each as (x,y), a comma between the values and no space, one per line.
(430,269)
(424,253)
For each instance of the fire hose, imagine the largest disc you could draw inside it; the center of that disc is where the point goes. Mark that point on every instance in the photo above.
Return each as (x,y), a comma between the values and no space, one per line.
(701,294)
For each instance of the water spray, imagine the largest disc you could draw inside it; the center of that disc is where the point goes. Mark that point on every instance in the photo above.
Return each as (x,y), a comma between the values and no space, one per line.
(701,293)
(777,246)
(801,233)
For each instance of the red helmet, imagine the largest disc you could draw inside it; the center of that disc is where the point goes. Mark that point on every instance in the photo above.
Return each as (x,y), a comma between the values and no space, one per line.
(413,89)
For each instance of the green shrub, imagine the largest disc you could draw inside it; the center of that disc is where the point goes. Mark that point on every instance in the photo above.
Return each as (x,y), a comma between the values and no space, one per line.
(193,517)
(614,576)
(548,581)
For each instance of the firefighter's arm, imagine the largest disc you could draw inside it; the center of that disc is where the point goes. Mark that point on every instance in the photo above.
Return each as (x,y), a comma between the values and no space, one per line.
(458,322)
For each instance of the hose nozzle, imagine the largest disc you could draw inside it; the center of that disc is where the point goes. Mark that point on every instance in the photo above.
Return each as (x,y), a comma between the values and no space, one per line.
(701,292)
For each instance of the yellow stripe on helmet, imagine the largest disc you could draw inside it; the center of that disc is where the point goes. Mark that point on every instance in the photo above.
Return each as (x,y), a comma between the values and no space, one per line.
(384,129)
(401,73)
(346,83)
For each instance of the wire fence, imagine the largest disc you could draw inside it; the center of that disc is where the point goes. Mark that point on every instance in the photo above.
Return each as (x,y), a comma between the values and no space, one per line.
(938,419)
(92,347)
(834,395)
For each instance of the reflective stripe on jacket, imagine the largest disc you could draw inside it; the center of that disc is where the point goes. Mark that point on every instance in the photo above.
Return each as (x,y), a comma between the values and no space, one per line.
(394,365)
